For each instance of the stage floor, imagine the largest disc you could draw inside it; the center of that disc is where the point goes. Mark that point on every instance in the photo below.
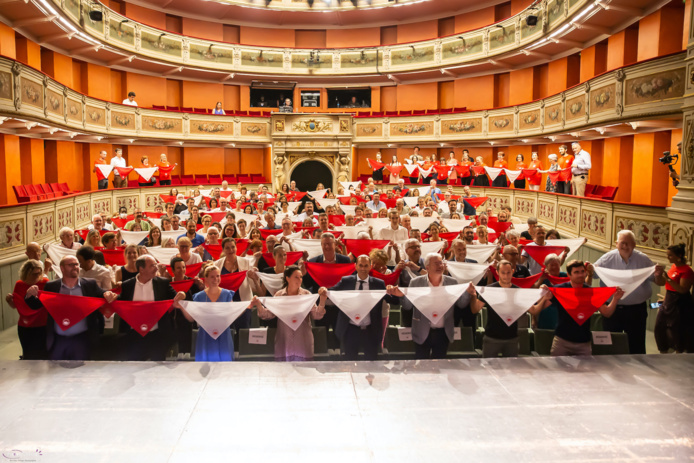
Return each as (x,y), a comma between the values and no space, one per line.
(608,409)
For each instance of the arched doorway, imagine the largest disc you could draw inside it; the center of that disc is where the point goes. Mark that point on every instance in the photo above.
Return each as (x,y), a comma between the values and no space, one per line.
(308,174)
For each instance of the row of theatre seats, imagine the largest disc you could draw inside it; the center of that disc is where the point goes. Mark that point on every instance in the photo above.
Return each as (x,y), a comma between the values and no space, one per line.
(41,191)
(412,112)
(532,342)
(607,193)
(227,112)
(216,179)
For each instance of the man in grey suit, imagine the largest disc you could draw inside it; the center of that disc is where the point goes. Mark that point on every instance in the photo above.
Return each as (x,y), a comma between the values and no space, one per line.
(431,339)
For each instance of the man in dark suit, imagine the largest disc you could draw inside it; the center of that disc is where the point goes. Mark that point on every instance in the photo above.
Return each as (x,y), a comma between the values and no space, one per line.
(146,286)
(78,341)
(329,256)
(184,328)
(369,333)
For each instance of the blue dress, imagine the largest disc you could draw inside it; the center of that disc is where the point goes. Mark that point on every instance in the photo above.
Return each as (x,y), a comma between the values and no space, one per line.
(214,350)
(549,317)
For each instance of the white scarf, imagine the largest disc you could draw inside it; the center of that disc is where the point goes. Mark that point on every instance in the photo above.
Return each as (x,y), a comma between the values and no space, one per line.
(480,252)
(628,280)
(133,237)
(146,172)
(509,303)
(434,301)
(163,255)
(56,252)
(214,317)
(292,310)
(317,194)
(573,244)
(466,272)
(493,172)
(513,174)
(346,185)
(313,247)
(272,282)
(325,202)
(356,304)
(105,169)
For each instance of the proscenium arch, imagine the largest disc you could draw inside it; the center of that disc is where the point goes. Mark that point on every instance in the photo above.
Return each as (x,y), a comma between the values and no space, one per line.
(330,167)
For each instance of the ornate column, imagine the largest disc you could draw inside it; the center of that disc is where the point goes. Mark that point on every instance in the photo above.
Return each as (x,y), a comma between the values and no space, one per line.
(681,213)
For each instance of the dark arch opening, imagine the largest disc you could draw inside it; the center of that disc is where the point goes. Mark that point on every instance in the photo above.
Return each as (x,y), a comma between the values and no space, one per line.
(308,174)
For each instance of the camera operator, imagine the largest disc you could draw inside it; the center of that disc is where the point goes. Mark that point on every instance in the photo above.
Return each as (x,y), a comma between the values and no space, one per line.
(670,160)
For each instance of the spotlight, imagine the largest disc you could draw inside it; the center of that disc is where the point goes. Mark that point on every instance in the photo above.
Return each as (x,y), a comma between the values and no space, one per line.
(310,3)
(531,20)
(96,16)
(267,2)
(355,3)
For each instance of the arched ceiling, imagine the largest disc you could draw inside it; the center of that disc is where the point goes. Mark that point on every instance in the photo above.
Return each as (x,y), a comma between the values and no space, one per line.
(279,13)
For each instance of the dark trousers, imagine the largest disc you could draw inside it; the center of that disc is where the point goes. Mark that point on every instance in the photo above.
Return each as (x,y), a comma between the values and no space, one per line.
(632,320)
(71,347)
(560,187)
(353,338)
(33,341)
(120,182)
(244,321)
(329,319)
(184,333)
(150,183)
(466,180)
(435,346)
(152,346)
(465,315)
(102,184)
(500,181)
(164,182)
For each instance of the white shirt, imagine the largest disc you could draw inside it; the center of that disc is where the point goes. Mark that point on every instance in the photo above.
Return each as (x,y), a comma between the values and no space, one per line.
(367,318)
(144,292)
(194,259)
(439,323)
(107,226)
(637,260)
(301,217)
(394,235)
(117,162)
(127,102)
(533,266)
(101,274)
(581,163)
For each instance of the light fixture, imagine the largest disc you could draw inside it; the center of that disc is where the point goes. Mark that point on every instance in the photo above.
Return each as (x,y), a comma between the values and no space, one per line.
(531,20)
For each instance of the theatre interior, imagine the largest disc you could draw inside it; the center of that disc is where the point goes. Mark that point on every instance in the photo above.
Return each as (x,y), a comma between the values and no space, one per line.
(355,230)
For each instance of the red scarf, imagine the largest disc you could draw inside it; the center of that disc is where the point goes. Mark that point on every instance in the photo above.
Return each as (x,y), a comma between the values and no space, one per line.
(28,317)
(265,233)
(375,165)
(463,171)
(557,280)
(337,220)
(390,280)
(328,275)
(292,258)
(499,227)
(540,253)
(113,256)
(141,315)
(191,270)
(124,171)
(394,170)
(69,310)
(182,285)
(475,202)
(526,283)
(214,250)
(232,281)
(359,247)
(581,303)
(83,233)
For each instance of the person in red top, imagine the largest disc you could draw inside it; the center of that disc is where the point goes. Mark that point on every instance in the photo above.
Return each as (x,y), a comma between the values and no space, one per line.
(519,183)
(467,161)
(31,326)
(164,172)
(674,325)
(481,179)
(102,180)
(501,179)
(535,180)
(563,185)
(141,180)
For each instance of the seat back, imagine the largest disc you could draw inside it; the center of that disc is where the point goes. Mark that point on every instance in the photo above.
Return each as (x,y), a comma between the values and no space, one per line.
(610,192)
(214,178)
(175,179)
(245,179)
(394,344)
(33,192)
(320,342)
(21,194)
(173,108)
(619,346)
(186,109)
(200,179)
(543,341)
(465,346)
(257,178)
(230,178)
(589,189)
(256,352)
(154,106)
(200,110)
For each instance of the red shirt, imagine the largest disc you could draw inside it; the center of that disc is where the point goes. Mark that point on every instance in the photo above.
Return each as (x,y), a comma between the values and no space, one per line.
(677,273)
(566,161)
(502,164)
(164,174)
(29,318)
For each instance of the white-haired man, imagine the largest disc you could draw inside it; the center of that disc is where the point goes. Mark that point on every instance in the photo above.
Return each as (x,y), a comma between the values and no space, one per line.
(580,169)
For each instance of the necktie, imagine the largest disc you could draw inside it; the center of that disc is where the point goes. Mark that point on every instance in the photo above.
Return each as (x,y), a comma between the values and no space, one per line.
(361,285)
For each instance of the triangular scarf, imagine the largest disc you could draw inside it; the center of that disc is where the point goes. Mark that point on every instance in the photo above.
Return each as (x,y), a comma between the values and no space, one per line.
(291,205)
(328,275)
(455,225)
(394,170)
(292,258)
(350,233)
(214,250)
(628,280)
(191,270)
(411,169)
(480,252)
(166,169)
(434,301)
(167,198)
(390,279)
(318,194)
(105,169)
(475,202)
(422,223)
(581,303)
(466,272)
(336,220)
(442,171)
(141,315)
(346,185)
(479,170)
(347,209)
(463,171)
(292,310)
(356,304)
(527,282)
(123,171)
(232,281)
(56,252)
(572,244)
(509,303)
(359,247)
(375,165)
(133,237)
(214,317)
(146,172)
(69,310)
(173,234)
(411,201)
(540,253)
(425,172)
(512,175)
(493,172)
(163,255)
(312,247)
(274,232)
(272,282)
(325,202)
(557,280)
(499,227)
(113,257)
(423,190)
(182,285)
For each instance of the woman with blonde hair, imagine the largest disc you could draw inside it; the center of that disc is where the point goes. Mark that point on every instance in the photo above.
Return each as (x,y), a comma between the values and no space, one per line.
(31,326)
(129,270)
(184,251)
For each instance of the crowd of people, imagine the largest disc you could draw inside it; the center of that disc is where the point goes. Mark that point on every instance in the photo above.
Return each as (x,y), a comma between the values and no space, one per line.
(567,173)
(298,258)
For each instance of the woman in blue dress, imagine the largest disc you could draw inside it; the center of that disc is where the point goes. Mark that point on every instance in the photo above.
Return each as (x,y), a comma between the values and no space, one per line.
(206,348)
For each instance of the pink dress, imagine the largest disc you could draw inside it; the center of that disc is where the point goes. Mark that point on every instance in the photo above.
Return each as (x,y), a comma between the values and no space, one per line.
(290,345)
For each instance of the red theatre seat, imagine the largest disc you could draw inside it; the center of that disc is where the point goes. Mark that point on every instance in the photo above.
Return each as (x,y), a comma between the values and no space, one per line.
(418,112)
(245,179)
(214,178)
(187,179)
(229,112)
(22,195)
(596,193)
(230,178)
(186,109)
(254,113)
(31,191)
(609,192)
(377,113)
(460,110)
(173,108)
(363,113)
(589,189)
(391,113)
(242,113)
(445,110)
(257,178)
(405,113)
(200,110)
(154,106)
(48,194)
(47,188)
(200,179)
(176,180)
